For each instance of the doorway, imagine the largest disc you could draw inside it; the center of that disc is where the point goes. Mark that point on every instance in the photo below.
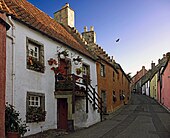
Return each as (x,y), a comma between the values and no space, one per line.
(62,113)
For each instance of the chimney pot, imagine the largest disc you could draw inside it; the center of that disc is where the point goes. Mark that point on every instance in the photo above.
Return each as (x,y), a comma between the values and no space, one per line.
(152,65)
(85,28)
(92,28)
(159,61)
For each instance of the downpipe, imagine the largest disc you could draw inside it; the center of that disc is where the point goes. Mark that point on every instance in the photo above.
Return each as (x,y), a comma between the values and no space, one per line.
(12,36)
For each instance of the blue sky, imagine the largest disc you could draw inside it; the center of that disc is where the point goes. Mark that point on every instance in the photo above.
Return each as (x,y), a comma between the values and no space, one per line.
(143,27)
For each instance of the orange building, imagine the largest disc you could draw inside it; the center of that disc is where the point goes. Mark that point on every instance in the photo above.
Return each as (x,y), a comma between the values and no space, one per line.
(113,84)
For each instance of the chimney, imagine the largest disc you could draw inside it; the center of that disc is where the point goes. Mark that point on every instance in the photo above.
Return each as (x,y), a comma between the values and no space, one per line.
(85,28)
(91,28)
(89,36)
(152,65)
(168,55)
(159,61)
(65,16)
(143,70)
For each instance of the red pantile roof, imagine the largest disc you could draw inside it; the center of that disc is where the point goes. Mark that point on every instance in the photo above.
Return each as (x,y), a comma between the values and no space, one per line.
(28,14)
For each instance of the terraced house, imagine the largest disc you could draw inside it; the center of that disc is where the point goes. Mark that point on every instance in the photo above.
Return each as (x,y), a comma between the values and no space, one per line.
(41,56)
(52,77)
(110,89)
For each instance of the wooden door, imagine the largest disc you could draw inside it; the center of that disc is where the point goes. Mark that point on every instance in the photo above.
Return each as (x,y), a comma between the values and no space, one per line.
(62,111)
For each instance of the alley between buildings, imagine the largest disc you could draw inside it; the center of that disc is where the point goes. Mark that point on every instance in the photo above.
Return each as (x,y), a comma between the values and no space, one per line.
(142,117)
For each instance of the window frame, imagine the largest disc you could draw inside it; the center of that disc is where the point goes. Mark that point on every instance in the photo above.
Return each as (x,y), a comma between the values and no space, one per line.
(87,74)
(102,70)
(42,106)
(33,63)
(114,96)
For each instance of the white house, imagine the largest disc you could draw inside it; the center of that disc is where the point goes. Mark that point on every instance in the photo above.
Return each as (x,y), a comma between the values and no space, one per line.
(35,43)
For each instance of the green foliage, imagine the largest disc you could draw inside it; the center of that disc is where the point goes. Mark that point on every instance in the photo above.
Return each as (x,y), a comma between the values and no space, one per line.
(12,121)
(35,114)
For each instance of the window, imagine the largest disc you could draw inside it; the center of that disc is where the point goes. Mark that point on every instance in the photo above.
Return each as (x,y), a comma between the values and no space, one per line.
(34,101)
(35,55)
(33,51)
(86,73)
(113,76)
(114,97)
(35,107)
(102,70)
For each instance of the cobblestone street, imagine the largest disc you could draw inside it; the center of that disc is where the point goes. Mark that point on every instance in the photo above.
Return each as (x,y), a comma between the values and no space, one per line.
(141,118)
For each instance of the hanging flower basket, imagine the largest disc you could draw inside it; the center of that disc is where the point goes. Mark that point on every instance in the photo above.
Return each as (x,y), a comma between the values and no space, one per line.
(52,61)
(63,54)
(78,71)
(57,70)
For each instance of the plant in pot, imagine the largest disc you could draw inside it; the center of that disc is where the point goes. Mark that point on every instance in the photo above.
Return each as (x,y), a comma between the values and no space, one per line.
(14,126)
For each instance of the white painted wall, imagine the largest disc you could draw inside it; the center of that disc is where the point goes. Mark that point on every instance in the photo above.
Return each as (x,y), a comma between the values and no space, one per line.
(27,80)
(147,87)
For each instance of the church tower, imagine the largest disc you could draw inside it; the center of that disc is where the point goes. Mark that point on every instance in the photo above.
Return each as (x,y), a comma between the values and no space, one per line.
(65,16)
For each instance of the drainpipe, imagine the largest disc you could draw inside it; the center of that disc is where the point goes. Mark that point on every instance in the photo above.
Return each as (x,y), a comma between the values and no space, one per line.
(12,36)
(160,88)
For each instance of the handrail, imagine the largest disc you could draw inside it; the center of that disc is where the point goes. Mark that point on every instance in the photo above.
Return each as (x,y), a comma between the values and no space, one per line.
(90,92)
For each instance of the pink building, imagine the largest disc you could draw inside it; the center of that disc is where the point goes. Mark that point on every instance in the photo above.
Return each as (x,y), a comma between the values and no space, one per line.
(165,90)
(158,90)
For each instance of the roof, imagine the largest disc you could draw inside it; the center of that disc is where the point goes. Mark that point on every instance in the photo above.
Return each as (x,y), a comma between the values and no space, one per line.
(155,70)
(25,12)
(118,66)
(146,77)
(102,55)
(167,61)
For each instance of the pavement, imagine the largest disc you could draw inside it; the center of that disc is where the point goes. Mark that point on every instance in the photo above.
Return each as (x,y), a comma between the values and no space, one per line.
(142,117)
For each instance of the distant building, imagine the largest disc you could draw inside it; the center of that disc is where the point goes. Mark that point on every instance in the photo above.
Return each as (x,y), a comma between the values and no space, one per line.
(164,95)
(136,80)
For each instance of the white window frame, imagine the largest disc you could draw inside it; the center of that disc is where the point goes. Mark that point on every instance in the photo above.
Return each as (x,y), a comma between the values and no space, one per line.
(34,51)
(33,100)
(102,70)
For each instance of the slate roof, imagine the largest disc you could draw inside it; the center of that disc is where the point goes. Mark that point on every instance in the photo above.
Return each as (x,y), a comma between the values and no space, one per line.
(25,12)
(146,77)
(158,67)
